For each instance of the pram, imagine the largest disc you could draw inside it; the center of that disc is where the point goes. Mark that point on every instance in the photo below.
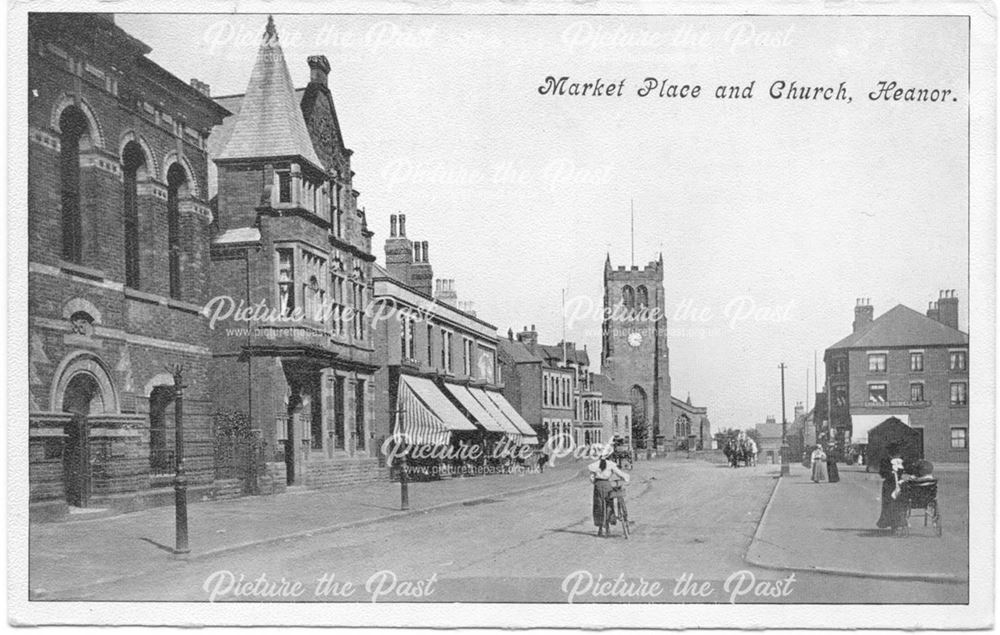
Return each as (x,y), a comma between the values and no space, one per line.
(921,494)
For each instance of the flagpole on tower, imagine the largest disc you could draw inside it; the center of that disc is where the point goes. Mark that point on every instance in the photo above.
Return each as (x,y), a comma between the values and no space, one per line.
(631,204)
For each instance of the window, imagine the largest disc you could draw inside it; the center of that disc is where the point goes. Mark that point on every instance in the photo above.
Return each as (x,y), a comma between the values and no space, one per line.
(467,357)
(338,212)
(338,413)
(176,188)
(133,162)
(876,362)
(74,137)
(313,293)
(840,396)
(446,351)
(286,281)
(315,425)
(339,306)
(959,394)
(284,186)
(957,360)
(359,414)
(407,324)
(916,392)
(959,438)
(628,297)
(878,393)
(358,290)
(642,297)
(916,362)
(430,345)
(545,390)
(839,365)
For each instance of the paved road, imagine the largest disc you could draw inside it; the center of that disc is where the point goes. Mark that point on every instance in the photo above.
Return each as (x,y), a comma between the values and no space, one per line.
(690,518)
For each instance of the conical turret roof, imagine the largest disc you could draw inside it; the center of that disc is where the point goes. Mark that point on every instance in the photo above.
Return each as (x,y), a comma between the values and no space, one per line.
(270,122)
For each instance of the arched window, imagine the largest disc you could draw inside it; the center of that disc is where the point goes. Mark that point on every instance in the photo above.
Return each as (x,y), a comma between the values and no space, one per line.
(642,296)
(628,297)
(134,169)
(177,188)
(74,137)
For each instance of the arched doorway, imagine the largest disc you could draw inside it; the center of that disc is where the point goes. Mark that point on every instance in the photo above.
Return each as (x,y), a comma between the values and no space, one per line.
(81,397)
(638,398)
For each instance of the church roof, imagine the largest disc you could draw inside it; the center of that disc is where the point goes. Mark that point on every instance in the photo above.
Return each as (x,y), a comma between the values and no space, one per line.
(610,391)
(269,122)
(902,326)
(519,352)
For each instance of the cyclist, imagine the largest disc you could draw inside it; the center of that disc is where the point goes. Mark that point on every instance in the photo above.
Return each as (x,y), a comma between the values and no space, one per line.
(601,474)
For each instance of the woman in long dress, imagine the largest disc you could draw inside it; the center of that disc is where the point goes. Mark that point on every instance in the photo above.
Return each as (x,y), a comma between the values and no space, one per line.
(601,473)
(893,515)
(831,465)
(818,465)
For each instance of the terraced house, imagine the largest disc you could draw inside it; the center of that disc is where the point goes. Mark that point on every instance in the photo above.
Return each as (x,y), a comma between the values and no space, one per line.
(118,262)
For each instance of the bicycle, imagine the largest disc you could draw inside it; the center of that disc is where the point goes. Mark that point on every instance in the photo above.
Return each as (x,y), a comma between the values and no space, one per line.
(614,507)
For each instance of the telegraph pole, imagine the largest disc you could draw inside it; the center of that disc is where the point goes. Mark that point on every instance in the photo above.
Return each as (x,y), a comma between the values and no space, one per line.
(785,469)
(180,480)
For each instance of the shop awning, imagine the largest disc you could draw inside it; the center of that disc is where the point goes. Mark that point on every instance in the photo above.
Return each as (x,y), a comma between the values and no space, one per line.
(426,414)
(862,424)
(480,414)
(506,425)
(527,432)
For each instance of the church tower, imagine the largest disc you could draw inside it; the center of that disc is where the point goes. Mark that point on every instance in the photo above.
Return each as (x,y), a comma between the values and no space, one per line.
(634,352)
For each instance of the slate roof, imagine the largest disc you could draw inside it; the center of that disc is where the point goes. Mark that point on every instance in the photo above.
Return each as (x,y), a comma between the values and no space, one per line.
(902,326)
(518,352)
(269,122)
(610,391)
(555,352)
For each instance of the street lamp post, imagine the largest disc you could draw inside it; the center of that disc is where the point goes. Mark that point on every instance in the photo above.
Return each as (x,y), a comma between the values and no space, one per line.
(785,468)
(180,480)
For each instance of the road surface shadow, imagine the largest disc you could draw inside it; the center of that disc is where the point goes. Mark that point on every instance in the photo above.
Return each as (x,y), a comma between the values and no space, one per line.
(862,533)
(157,545)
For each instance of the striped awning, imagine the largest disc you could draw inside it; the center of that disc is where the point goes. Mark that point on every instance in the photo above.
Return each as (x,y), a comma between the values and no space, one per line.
(480,414)
(494,411)
(528,435)
(416,422)
(440,405)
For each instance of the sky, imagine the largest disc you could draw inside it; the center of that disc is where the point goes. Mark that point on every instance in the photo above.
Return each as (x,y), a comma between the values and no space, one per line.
(773,215)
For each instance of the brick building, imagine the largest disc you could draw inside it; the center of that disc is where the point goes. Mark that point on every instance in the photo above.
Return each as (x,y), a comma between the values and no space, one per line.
(906,365)
(118,265)
(543,382)
(438,381)
(290,238)
(616,410)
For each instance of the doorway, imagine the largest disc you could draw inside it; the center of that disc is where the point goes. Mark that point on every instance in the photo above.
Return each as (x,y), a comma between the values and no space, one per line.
(82,396)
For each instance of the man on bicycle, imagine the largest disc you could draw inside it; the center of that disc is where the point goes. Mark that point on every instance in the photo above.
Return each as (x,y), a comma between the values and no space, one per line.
(602,473)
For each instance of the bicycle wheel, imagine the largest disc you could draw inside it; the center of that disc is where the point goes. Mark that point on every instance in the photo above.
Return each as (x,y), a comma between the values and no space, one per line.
(623,518)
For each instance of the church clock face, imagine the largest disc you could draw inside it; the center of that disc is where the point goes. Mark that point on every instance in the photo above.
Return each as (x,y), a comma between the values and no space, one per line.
(634,339)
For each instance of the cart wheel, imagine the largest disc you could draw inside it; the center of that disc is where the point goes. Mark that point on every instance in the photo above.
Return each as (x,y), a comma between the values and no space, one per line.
(936,519)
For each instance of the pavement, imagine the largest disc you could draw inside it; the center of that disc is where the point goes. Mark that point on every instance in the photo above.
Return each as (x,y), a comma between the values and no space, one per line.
(830,528)
(86,551)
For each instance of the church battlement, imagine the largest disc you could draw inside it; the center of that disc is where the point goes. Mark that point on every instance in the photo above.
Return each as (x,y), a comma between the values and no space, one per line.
(652,271)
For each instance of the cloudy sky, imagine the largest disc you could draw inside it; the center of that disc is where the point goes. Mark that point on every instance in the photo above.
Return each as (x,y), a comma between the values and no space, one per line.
(773,216)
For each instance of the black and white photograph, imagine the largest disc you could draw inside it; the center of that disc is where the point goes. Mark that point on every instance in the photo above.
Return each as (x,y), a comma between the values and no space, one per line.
(508,315)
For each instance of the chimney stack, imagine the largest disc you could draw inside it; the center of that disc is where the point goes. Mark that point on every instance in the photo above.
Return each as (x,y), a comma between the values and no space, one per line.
(201,87)
(864,314)
(319,69)
(528,338)
(399,251)
(947,308)
(446,293)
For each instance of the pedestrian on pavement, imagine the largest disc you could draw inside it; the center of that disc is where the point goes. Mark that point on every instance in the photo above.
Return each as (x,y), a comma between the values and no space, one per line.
(831,464)
(601,473)
(543,459)
(818,465)
(893,515)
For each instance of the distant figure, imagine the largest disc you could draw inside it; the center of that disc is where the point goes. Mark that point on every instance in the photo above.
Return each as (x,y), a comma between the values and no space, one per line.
(818,465)
(543,458)
(831,465)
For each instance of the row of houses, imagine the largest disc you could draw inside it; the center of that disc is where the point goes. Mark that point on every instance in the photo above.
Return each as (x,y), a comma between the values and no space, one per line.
(904,367)
(219,242)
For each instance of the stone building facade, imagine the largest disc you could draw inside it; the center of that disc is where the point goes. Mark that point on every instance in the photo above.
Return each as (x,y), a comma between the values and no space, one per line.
(907,365)
(291,240)
(118,264)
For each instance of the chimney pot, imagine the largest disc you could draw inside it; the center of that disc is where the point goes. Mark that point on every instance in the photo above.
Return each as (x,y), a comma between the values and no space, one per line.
(392,226)
(426,257)
(402,225)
